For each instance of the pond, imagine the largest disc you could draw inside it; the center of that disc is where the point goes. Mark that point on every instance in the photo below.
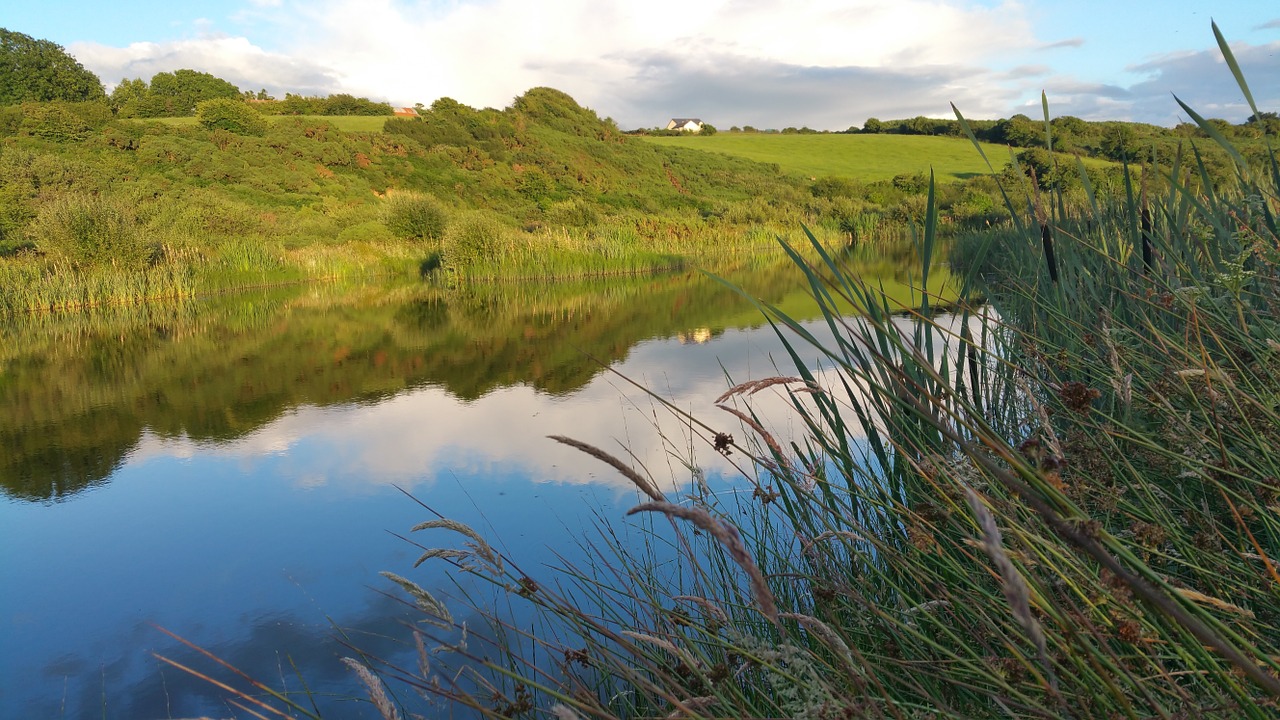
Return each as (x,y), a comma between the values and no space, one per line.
(236,469)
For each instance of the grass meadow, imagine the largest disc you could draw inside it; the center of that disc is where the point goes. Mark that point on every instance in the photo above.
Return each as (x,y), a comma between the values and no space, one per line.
(866,158)
(861,157)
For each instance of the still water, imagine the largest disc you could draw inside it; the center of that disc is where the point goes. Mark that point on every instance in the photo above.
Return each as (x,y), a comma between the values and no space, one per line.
(231,469)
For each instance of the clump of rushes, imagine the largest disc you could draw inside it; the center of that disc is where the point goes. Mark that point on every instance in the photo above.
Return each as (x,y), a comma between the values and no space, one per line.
(1065,504)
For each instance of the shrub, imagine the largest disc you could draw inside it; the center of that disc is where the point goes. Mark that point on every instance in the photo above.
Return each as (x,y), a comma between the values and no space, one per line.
(53,121)
(472,239)
(88,229)
(573,213)
(233,116)
(372,232)
(415,215)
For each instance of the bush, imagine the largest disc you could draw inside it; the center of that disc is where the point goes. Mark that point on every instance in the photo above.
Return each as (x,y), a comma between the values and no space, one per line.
(88,229)
(233,116)
(472,239)
(53,121)
(372,232)
(415,215)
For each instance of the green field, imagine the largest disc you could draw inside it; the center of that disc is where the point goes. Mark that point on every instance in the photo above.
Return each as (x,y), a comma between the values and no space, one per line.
(862,157)
(345,123)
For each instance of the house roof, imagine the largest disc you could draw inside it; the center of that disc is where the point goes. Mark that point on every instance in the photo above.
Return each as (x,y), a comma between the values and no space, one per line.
(686,121)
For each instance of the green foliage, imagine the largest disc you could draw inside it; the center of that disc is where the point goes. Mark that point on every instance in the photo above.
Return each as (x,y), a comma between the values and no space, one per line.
(179,92)
(230,115)
(556,110)
(52,121)
(473,239)
(415,215)
(128,97)
(87,229)
(340,104)
(40,71)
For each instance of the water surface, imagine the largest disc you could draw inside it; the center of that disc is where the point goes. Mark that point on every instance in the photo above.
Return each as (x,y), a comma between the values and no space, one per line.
(232,469)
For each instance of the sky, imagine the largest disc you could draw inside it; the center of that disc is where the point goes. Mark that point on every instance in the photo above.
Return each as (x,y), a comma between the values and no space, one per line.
(825,64)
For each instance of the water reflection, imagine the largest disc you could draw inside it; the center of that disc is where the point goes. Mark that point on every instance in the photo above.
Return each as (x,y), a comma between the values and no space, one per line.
(227,469)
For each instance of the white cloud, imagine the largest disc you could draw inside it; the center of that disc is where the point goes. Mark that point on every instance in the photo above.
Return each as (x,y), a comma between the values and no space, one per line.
(606,53)
(234,59)
(822,63)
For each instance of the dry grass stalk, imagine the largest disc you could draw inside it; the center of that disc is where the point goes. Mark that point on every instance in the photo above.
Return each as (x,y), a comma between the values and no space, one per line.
(688,660)
(728,536)
(1202,599)
(831,638)
(424,658)
(1014,585)
(752,387)
(692,707)
(831,534)
(564,712)
(645,486)
(426,601)
(481,548)
(377,693)
(445,553)
(711,608)
(759,429)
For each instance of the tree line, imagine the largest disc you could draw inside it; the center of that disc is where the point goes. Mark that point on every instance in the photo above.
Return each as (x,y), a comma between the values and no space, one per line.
(34,70)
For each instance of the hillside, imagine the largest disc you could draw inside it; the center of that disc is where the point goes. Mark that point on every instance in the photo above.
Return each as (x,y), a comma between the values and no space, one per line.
(97,209)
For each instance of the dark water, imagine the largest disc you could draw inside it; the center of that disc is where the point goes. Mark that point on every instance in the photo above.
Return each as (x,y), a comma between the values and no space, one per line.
(228,469)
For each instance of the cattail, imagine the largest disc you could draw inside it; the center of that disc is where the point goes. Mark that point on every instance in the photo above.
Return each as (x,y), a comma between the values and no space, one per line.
(1046,238)
(1146,238)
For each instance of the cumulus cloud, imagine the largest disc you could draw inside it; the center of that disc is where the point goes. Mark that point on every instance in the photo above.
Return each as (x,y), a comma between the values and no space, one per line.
(827,64)
(233,59)
(619,57)
(1201,79)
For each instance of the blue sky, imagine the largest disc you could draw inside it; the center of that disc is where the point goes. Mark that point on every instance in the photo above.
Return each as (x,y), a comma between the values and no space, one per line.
(770,63)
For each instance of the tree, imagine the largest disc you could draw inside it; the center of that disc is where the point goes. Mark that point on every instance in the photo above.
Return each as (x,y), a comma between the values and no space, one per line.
(1119,143)
(872,125)
(1266,122)
(128,96)
(233,116)
(180,91)
(1018,131)
(41,71)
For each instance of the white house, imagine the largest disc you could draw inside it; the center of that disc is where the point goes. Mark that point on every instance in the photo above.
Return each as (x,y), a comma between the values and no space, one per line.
(685,124)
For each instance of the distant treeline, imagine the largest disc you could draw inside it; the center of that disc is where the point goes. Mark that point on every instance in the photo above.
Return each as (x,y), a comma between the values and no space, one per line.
(177,94)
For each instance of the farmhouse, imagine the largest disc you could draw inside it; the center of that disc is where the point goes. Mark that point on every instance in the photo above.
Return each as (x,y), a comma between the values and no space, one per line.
(685,124)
